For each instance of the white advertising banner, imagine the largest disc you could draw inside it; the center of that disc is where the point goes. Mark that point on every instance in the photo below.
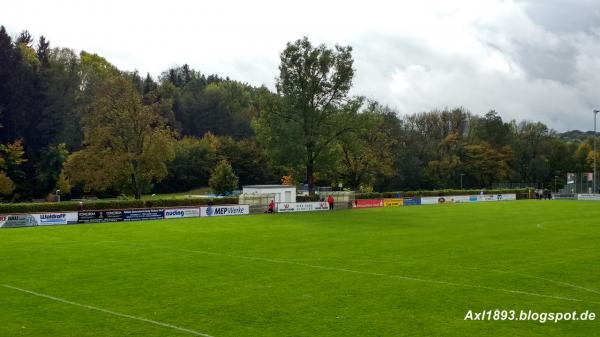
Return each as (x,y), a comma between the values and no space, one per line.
(174,213)
(224,210)
(594,197)
(302,206)
(487,197)
(49,219)
(17,220)
(497,197)
(37,219)
(432,200)
(512,196)
(461,198)
(467,198)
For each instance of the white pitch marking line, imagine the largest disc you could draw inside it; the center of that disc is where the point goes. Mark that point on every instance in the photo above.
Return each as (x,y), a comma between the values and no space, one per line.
(114,313)
(485,269)
(409,278)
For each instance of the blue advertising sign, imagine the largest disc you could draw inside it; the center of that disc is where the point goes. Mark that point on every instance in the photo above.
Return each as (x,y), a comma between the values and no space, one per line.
(412,201)
(143,214)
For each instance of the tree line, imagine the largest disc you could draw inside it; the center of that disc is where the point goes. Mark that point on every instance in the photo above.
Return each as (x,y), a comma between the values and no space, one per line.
(76,123)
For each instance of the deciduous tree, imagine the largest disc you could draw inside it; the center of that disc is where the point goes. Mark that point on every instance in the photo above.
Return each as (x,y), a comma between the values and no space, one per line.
(312,109)
(127,144)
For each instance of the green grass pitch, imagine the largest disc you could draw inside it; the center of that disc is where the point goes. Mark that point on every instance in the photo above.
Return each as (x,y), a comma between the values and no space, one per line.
(409,271)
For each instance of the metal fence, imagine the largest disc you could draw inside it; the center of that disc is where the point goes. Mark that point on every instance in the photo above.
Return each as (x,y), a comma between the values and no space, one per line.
(515,186)
(258,202)
(343,199)
(578,183)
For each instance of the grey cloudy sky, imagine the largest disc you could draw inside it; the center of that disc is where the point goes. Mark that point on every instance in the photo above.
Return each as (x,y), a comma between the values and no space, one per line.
(529,59)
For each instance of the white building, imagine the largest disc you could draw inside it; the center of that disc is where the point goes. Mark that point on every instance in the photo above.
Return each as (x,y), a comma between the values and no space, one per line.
(278,193)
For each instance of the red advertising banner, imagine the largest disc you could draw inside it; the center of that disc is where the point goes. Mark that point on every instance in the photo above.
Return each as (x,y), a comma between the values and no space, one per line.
(367,203)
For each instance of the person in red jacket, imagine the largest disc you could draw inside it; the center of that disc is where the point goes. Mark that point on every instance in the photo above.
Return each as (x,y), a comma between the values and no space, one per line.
(271,208)
(330,201)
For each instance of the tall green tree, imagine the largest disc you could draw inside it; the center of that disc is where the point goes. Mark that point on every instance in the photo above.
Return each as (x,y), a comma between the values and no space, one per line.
(50,166)
(191,166)
(312,109)
(486,165)
(366,154)
(127,144)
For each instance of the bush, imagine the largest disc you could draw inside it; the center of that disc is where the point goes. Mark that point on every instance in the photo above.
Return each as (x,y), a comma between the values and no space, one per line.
(307,198)
(223,180)
(37,207)
(521,193)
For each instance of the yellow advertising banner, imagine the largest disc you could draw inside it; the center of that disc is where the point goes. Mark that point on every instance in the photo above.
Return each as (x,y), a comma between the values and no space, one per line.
(393,202)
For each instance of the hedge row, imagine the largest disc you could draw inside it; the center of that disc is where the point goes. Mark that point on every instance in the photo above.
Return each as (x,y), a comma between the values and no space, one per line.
(34,207)
(437,193)
(307,198)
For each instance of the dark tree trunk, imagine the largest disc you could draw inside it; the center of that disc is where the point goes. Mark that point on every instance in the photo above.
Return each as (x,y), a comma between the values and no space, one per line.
(310,177)
(137,191)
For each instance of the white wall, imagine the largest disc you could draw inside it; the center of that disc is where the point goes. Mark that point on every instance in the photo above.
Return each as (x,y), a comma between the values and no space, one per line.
(279,192)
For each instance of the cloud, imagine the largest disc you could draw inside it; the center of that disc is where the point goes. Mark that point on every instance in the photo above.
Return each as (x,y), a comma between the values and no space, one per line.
(527,59)
(501,60)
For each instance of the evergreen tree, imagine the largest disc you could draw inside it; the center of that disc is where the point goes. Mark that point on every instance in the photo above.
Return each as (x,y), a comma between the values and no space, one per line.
(223,179)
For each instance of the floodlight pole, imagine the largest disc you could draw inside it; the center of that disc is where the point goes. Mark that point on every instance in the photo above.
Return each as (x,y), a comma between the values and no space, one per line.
(595,153)
(555,177)
(461,176)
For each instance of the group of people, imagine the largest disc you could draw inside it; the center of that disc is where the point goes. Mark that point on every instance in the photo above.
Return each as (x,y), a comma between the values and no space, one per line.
(330,201)
(543,194)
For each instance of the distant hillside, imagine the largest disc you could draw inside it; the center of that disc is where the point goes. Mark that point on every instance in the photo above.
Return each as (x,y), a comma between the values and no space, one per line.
(576,135)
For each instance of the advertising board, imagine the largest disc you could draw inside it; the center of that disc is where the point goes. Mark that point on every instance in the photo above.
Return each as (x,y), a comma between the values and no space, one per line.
(143,214)
(174,213)
(461,198)
(496,197)
(586,196)
(412,201)
(487,197)
(49,219)
(301,206)
(37,219)
(510,196)
(17,220)
(367,203)
(465,198)
(100,216)
(391,202)
(432,200)
(224,210)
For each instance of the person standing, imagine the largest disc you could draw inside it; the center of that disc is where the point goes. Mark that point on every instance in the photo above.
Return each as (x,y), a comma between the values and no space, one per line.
(330,201)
